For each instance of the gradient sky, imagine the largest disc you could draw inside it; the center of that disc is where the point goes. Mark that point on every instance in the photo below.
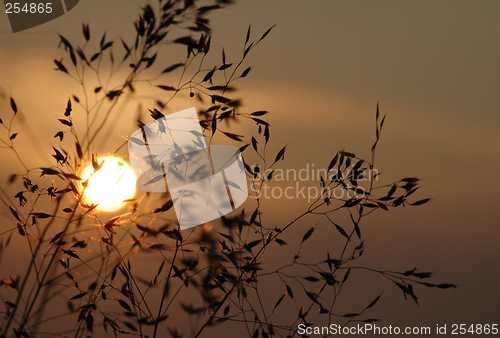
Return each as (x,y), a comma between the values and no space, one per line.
(433,67)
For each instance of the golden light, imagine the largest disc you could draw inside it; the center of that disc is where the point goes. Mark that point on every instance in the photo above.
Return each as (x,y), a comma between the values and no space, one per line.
(109,186)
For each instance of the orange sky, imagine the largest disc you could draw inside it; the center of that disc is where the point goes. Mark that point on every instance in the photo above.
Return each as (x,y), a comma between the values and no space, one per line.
(432,66)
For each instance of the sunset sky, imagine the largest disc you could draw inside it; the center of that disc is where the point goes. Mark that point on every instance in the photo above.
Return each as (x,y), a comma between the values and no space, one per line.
(432,66)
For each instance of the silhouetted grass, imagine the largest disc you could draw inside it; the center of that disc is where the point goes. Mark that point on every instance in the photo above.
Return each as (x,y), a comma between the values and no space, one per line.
(215,272)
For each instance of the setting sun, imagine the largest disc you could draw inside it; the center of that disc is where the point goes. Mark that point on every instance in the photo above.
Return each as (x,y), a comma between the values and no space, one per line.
(109,186)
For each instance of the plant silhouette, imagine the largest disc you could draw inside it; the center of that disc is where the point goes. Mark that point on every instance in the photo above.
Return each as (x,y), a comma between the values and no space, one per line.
(82,278)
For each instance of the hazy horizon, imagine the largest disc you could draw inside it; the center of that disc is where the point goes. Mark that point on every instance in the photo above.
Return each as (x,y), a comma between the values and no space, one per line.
(432,67)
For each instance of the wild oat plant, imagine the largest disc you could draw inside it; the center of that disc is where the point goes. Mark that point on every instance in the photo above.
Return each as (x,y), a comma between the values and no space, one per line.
(84,275)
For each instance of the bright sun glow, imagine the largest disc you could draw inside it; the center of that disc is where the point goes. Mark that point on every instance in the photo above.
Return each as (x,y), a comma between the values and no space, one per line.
(110,185)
